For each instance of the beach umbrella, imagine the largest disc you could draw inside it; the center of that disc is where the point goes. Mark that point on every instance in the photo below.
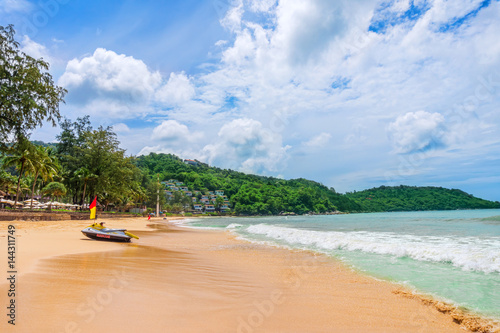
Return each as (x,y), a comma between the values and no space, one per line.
(28,202)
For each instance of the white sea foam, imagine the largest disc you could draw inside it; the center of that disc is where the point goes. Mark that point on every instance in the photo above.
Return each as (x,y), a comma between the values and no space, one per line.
(468,253)
(234,226)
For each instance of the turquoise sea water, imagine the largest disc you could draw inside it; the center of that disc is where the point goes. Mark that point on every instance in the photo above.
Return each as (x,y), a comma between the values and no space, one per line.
(452,255)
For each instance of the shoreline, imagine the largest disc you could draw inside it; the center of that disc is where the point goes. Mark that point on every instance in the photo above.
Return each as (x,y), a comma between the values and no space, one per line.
(466,318)
(251,287)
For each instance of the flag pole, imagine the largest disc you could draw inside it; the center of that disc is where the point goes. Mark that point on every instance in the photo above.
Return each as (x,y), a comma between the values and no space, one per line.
(158,198)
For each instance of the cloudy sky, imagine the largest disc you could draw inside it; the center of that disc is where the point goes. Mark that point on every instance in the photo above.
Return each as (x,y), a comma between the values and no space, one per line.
(353,94)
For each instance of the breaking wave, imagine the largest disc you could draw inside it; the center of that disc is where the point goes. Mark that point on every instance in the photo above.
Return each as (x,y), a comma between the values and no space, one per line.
(467,253)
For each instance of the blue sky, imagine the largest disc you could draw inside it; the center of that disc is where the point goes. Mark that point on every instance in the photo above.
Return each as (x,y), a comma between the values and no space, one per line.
(353,94)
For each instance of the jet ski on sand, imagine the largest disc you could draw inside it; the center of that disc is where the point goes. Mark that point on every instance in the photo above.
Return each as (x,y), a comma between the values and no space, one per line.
(100,232)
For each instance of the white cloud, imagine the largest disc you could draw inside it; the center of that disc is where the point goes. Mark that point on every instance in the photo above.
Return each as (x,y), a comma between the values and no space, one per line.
(177,90)
(245,145)
(319,140)
(106,78)
(261,5)
(121,128)
(242,50)
(417,131)
(305,28)
(36,50)
(9,6)
(170,130)
(232,19)
(221,42)
(32,48)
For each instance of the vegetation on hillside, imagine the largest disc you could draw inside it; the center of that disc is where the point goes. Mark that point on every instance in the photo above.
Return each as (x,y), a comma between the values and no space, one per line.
(249,194)
(409,198)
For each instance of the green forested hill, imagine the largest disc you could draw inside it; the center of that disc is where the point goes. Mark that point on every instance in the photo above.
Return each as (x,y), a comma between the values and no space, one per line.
(408,198)
(252,195)
(249,194)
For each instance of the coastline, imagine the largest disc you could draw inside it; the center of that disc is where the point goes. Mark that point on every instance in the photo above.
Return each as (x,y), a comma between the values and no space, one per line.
(183,279)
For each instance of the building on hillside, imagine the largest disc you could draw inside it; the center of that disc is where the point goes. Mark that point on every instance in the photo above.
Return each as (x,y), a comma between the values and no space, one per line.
(188,193)
(183,188)
(191,162)
(204,201)
(198,207)
(210,193)
(209,208)
(219,192)
(179,183)
(194,199)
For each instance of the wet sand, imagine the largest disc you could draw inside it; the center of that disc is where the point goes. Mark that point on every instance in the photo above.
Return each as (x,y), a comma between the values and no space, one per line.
(176,279)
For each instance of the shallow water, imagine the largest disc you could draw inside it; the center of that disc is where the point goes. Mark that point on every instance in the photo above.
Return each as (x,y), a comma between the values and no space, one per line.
(454,255)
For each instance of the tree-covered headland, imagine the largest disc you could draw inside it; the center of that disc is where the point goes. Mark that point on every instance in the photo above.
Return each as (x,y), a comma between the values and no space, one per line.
(412,198)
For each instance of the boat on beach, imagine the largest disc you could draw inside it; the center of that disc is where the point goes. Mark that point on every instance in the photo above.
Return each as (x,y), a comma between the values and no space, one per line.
(99,232)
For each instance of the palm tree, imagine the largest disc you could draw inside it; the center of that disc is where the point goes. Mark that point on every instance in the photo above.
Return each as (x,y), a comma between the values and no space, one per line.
(54,189)
(84,175)
(44,165)
(7,181)
(22,158)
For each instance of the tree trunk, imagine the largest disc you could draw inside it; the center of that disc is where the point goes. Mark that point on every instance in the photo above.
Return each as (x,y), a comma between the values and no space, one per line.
(33,189)
(83,196)
(18,185)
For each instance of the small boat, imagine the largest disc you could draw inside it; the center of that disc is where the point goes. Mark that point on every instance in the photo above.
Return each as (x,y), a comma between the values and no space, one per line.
(99,232)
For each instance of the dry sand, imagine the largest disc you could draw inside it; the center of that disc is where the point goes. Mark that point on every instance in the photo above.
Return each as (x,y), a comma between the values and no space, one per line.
(176,279)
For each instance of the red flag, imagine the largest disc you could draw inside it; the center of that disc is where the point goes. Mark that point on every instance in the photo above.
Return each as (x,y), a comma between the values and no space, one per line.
(93,208)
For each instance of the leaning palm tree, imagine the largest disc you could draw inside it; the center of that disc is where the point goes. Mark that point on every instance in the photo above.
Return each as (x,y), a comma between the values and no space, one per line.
(44,165)
(22,158)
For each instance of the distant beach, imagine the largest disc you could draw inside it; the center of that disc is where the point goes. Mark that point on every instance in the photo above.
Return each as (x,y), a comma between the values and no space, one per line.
(176,279)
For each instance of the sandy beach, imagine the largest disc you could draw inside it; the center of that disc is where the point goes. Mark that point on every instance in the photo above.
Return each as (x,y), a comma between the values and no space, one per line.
(176,279)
